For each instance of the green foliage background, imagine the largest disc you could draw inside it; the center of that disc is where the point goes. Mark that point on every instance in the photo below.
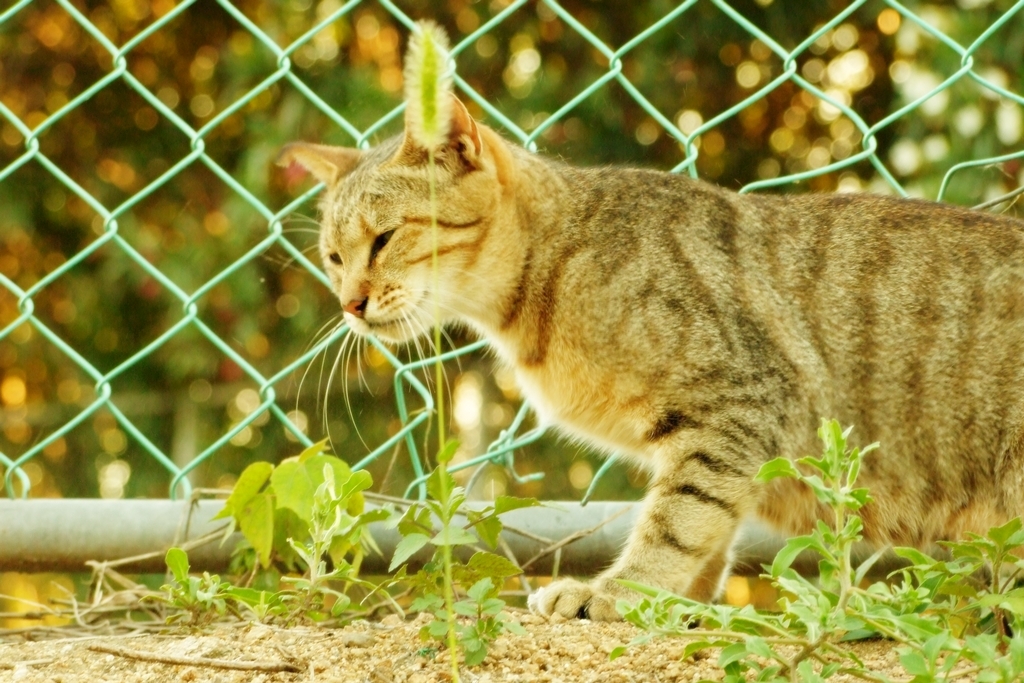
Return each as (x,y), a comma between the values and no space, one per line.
(188,393)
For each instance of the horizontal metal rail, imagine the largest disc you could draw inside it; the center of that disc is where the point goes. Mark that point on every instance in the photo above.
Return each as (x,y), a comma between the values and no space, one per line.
(63,534)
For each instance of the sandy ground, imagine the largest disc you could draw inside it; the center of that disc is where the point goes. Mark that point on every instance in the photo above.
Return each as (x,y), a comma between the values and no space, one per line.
(390,650)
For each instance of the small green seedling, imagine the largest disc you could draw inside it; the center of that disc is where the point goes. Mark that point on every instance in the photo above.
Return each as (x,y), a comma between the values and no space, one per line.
(301,516)
(482,612)
(276,507)
(196,601)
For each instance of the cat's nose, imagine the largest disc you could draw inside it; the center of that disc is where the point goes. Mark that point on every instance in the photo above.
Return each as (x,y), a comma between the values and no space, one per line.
(356,307)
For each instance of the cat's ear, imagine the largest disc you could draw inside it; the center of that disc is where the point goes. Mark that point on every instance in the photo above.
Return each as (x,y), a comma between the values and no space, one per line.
(327,164)
(462,135)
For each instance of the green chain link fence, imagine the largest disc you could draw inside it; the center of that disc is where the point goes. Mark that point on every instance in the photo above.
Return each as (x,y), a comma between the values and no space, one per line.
(687,131)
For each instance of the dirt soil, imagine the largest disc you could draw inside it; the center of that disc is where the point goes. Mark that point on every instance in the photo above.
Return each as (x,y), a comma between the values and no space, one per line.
(558,651)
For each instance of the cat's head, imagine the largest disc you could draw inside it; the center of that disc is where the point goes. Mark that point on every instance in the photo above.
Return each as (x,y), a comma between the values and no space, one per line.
(376,236)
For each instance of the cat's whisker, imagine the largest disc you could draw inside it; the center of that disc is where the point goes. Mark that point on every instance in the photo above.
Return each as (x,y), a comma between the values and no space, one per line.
(429,371)
(447,305)
(416,334)
(363,348)
(351,340)
(355,349)
(332,373)
(340,370)
(358,343)
(324,393)
(296,217)
(290,231)
(429,374)
(414,338)
(325,330)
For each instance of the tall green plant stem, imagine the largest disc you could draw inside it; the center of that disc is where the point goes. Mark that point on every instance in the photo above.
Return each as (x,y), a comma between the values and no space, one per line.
(845,566)
(446,549)
(435,266)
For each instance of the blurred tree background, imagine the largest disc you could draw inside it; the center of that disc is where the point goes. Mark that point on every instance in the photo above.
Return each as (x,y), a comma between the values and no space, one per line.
(187,393)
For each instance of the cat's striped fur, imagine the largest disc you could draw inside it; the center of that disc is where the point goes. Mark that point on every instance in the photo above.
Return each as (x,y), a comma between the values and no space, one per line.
(701,333)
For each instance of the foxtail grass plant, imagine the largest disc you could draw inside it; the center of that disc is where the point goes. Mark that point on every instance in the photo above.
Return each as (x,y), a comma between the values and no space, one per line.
(428,93)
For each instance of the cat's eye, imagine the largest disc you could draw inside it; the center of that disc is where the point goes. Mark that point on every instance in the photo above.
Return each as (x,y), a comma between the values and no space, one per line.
(335,258)
(379,243)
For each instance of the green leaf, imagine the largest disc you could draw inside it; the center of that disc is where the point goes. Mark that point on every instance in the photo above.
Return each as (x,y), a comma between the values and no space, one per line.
(256,522)
(453,535)
(916,557)
(427,603)
(853,472)
(859,634)
(494,566)
(806,673)
(355,538)
(864,567)
(249,483)
(758,646)
(445,507)
(406,548)
(295,482)
(733,653)
(341,603)
(1012,600)
(861,496)
(1004,535)
(932,648)
(1017,652)
(250,596)
(918,627)
(773,469)
(415,519)
(487,523)
(438,628)
(319,448)
(820,464)
(481,589)
(984,646)
(177,562)
(438,479)
(448,452)
(514,627)
(376,515)
(476,651)
(503,504)
(790,552)
(294,485)
(489,529)
(492,606)
(465,608)
(357,481)
(617,652)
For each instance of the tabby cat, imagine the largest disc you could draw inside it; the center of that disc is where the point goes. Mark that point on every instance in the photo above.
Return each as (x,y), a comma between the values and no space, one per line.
(701,332)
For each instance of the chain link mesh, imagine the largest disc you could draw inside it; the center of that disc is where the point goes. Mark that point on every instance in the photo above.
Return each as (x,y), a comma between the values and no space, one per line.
(405,380)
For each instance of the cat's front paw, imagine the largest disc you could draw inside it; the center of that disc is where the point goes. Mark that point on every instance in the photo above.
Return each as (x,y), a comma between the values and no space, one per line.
(576,600)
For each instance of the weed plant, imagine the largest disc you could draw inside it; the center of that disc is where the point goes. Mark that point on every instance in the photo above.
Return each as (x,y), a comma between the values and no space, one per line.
(482,612)
(948,621)
(301,514)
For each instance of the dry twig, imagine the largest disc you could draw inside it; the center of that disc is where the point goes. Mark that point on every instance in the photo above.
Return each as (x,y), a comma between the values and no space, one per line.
(571,538)
(196,661)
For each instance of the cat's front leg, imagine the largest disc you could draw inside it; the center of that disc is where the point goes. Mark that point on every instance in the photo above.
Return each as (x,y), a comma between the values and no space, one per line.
(681,543)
